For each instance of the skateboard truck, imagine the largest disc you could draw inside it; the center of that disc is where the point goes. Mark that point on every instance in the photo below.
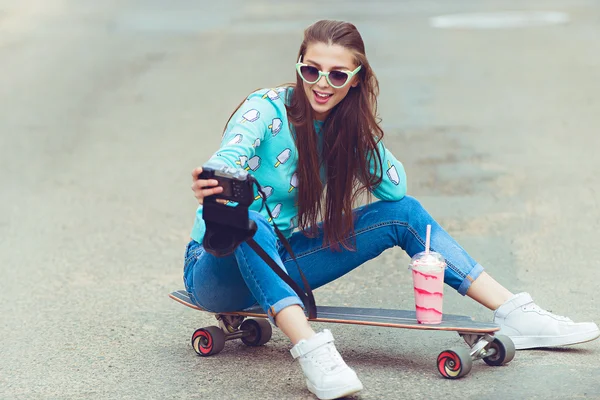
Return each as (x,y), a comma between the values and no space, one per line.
(229,323)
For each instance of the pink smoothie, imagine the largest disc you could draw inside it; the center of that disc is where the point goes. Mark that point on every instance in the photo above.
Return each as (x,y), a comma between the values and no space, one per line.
(429,295)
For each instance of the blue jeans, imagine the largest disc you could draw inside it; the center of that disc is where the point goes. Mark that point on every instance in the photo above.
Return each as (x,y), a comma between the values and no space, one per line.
(243,279)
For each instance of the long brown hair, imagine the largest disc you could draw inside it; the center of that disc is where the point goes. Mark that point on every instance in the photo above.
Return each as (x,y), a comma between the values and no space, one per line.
(350,135)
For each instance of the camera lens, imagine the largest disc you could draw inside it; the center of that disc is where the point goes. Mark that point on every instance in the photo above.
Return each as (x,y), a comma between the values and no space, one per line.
(218,242)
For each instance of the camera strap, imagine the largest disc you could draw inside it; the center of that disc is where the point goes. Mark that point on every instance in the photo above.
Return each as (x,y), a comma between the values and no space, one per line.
(305,295)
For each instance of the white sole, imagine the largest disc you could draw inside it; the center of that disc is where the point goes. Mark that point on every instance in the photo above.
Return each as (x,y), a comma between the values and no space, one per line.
(532,342)
(334,393)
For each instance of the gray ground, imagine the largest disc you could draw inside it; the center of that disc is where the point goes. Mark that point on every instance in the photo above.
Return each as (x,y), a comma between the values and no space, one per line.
(105,107)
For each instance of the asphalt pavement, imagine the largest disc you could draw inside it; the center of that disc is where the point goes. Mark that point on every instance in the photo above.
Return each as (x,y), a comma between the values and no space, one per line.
(105,108)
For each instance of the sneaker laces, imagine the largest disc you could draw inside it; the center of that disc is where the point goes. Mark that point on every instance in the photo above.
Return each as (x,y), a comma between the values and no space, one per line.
(328,357)
(537,309)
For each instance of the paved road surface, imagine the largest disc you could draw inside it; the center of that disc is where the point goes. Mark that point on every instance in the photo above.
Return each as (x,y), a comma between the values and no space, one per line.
(105,107)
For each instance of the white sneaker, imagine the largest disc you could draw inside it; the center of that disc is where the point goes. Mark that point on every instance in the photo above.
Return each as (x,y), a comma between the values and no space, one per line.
(529,326)
(327,375)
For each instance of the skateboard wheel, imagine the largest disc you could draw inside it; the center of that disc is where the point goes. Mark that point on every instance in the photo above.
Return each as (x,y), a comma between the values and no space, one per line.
(454,363)
(208,341)
(505,351)
(260,332)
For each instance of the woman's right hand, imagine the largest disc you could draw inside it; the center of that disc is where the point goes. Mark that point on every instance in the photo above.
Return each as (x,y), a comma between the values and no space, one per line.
(203,187)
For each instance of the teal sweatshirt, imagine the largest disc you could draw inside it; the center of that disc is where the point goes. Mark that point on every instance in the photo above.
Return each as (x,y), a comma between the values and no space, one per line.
(259,139)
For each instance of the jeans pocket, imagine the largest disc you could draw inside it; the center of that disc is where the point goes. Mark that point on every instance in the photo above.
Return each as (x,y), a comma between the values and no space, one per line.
(190,251)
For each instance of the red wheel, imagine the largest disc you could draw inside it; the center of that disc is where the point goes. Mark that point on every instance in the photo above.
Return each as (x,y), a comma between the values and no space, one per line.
(454,363)
(208,341)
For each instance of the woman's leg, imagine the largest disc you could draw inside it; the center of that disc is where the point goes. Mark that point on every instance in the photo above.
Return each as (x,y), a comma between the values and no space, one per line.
(214,283)
(487,291)
(238,281)
(380,226)
(403,223)
(274,296)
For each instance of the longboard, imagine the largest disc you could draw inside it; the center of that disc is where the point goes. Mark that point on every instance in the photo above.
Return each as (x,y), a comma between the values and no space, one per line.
(253,328)
(366,316)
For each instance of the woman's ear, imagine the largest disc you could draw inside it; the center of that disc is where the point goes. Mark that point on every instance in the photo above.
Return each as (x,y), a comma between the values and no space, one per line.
(356,82)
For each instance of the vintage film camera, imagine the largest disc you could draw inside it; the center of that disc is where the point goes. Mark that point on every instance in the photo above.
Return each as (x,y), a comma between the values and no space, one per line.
(226,225)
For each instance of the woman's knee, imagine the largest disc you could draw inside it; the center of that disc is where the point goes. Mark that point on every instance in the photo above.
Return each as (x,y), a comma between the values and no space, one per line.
(402,209)
(215,284)
(410,204)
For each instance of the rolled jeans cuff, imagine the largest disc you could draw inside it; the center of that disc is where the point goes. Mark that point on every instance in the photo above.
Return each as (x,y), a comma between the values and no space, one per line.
(281,304)
(471,276)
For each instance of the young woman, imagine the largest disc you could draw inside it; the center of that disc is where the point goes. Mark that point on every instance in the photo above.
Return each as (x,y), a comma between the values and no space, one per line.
(315,147)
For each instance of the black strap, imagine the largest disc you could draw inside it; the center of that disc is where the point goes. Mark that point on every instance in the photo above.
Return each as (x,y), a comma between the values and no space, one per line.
(305,295)
(307,298)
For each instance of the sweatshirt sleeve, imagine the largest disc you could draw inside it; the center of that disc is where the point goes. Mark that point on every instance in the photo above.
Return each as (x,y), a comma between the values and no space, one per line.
(393,184)
(251,124)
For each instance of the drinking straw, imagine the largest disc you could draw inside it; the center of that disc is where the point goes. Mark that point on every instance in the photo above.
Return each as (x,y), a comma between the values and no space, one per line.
(427,239)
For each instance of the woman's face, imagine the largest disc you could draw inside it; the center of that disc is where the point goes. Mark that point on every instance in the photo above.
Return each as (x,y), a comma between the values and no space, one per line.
(325,57)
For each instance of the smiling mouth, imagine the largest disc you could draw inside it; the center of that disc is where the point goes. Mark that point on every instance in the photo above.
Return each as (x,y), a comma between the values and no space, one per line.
(322,98)
(323,95)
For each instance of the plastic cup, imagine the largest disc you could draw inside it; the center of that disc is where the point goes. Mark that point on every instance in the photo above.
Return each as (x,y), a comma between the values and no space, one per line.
(428,279)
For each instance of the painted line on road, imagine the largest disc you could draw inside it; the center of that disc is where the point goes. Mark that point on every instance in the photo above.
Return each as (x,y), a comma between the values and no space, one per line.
(499,20)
